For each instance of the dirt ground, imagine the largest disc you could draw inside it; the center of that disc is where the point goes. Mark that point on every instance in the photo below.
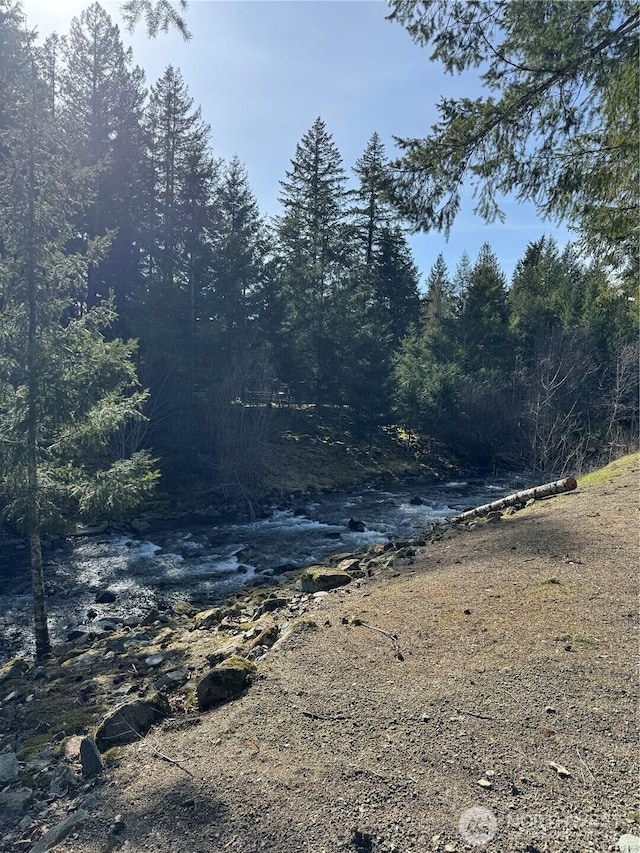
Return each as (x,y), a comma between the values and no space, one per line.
(502,717)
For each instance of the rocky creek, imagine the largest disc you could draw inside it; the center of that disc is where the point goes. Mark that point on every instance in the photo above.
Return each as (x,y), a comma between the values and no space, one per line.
(101,581)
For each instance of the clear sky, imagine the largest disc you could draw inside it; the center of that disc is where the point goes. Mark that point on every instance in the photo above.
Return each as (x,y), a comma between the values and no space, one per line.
(263,70)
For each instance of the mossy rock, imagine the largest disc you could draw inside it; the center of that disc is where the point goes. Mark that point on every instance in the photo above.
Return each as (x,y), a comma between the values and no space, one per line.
(271,604)
(266,637)
(16,668)
(131,721)
(224,682)
(321,579)
(208,618)
(350,565)
(183,608)
(300,626)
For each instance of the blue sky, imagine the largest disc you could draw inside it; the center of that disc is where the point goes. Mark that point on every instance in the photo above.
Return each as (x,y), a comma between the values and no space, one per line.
(263,70)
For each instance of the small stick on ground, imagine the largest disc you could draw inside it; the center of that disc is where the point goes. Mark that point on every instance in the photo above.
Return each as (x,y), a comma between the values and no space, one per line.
(167,759)
(586,765)
(392,637)
(157,751)
(482,716)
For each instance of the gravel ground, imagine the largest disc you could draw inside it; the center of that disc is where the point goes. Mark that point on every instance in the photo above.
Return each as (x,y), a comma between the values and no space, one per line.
(502,717)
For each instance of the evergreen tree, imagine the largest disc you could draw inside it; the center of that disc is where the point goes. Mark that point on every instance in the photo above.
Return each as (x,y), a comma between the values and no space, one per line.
(440,313)
(184,174)
(179,225)
(394,280)
(238,252)
(63,387)
(438,300)
(312,240)
(159,16)
(385,265)
(238,288)
(560,123)
(425,367)
(49,64)
(384,297)
(483,326)
(101,103)
(13,44)
(372,212)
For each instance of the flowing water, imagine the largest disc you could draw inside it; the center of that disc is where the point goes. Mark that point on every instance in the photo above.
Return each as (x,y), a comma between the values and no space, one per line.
(204,564)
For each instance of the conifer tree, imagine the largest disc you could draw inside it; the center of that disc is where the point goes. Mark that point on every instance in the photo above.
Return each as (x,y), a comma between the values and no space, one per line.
(372,212)
(483,326)
(101,101)
(557,124)
(159,16)
(313,244)
(238,251)
(63,387)
(425,367)
(179,226)
(183,173)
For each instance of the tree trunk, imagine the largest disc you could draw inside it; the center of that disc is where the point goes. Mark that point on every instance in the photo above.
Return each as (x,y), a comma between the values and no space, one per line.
(43,643)
(545,491)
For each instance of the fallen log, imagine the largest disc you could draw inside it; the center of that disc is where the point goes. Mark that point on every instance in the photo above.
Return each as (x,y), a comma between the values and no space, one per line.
(545,491)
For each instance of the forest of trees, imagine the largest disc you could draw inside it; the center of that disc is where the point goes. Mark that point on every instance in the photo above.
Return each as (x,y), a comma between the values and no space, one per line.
(148,310)
(118,224)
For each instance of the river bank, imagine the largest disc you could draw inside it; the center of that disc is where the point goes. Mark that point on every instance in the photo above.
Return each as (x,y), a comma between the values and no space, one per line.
(96,583)
(473,668)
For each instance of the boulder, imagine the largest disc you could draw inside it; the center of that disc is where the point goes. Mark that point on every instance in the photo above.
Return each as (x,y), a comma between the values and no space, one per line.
(170,681)
(350,565)
(130,721)
(149,618)
(77,636)
(183,608)
(271,604)
(208,618)
(105,596)
(356,525)
(58,833)
(9,767)
(13,805)
(321,579)
(63,781)
(16,668)
(266,638)
(226,681)
(90,758)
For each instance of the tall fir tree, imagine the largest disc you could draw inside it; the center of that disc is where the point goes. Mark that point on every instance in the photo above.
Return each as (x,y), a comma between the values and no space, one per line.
(372,212)
(179,226)
(101,98)
(313,243)
(63,387)
(239,250)
(483,326)
(425,367)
